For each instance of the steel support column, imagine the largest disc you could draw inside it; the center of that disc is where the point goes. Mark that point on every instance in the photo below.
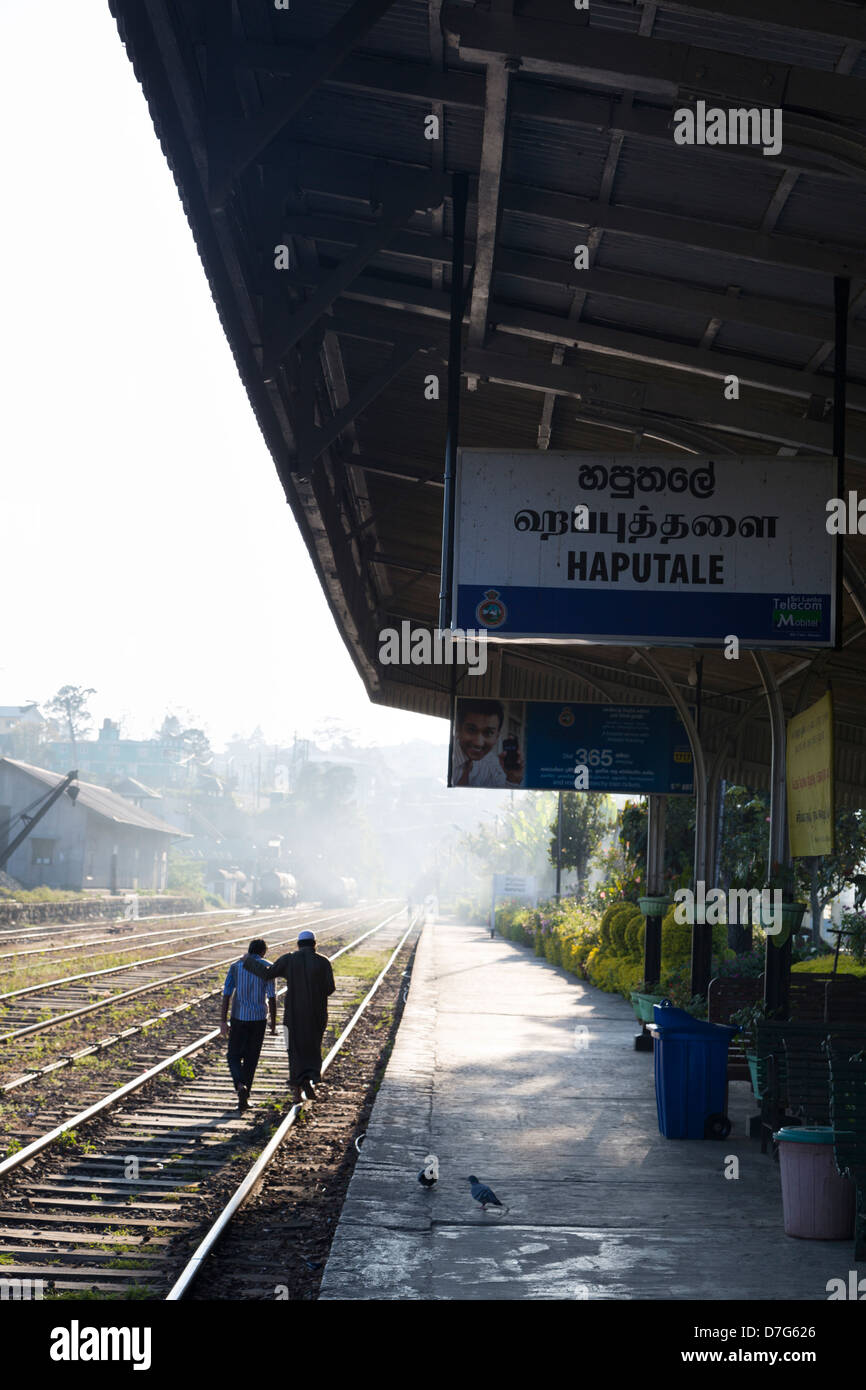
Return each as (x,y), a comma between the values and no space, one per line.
(460,195)
(701,933)
(655,865)
(777,969)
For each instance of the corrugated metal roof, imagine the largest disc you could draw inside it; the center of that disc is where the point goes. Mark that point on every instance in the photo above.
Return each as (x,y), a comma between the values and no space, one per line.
(99,800)
(546,154)
(692,183)
(402,31)
(553,172)
(815,204)
(713,269)
(769,42)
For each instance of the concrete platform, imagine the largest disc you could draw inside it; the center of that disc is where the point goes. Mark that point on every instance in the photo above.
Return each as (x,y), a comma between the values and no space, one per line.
(509,1068)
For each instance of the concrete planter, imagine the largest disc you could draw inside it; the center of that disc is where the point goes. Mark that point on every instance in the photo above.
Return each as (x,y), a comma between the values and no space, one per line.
(654,907)
(643,1005)
(792,916)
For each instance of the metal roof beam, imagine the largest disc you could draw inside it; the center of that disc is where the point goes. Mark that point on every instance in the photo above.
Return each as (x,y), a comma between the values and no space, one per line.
(819,149)
(396,211)
(313,442)
(489,193)
(721,238)
(646,401)
(713,410)
(669,70)
(345,174)
(839,150)
(511,320)
(660,351)
(250,138)
(773,314)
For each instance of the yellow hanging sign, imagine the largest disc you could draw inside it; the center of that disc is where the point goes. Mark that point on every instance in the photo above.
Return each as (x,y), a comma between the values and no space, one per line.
(810,780)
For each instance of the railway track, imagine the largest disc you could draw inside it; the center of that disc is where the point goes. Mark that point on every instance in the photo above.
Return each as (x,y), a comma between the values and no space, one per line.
(113,1200)
(43,1091)
(121,940)
(37,1007)
(43,931)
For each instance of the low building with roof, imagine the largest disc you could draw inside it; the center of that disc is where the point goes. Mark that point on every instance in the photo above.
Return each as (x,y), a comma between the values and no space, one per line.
(99,840)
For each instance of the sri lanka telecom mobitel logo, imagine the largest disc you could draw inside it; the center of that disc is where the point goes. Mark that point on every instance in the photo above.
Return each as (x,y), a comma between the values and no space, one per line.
(797,611)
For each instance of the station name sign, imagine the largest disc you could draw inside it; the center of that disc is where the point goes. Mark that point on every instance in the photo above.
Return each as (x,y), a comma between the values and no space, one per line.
(673,551)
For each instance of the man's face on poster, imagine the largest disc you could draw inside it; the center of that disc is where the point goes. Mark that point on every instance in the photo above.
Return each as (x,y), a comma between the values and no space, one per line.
(477,734)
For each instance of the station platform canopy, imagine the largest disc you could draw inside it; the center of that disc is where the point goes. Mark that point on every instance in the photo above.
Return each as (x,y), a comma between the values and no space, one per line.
(334,127)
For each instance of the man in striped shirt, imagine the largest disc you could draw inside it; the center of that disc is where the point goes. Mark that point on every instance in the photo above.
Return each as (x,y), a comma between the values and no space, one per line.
(249,1015)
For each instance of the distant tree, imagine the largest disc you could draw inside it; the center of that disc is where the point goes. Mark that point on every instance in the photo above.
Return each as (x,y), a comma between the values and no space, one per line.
(518,842)
(69,706)
(679,836)
(824,876)
(198,743)
(585,818)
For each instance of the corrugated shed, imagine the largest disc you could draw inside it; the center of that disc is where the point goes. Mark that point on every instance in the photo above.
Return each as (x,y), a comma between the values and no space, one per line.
(100,801)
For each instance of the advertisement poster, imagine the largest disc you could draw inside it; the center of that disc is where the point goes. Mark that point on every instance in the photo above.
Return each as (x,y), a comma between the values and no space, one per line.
(809,768)
(674,550)
(632,749)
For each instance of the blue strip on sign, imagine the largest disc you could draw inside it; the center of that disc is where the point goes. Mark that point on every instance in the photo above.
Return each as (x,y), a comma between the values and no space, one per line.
(632,615)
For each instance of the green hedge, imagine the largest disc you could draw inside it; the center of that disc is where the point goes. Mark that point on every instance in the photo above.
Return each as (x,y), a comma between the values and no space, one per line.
(608,950)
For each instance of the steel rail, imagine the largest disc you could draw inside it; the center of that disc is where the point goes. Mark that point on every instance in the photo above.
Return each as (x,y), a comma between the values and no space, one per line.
(38,930)
(133,942)
(130,1032)
(150,960)
(132,993)
(37,1145)
(191,1270)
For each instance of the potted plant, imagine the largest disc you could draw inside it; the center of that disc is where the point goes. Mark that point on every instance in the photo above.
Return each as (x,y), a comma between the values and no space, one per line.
(643,998)
(781,880)
(747,1020)
(656,905)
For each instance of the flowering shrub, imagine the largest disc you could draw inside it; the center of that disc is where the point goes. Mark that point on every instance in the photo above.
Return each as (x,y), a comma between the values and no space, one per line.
(608,950)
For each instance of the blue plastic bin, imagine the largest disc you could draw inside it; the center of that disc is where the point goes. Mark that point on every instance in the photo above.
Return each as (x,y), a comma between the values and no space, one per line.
(691,1073)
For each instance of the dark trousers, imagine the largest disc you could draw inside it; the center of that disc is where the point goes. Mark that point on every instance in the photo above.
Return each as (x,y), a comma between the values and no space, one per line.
(245,1044)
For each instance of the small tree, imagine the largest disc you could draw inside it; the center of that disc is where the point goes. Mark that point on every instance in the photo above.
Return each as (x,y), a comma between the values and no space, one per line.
(69,705)
(823,876)
(585,818)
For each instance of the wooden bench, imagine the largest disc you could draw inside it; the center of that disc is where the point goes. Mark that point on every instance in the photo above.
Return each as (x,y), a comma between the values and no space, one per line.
(828,998)
(848,1117)
(726,997)
(793,1070)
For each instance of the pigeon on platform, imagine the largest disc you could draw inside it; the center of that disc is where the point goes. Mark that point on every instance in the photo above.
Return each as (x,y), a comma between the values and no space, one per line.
(429,1175)
(484,1194)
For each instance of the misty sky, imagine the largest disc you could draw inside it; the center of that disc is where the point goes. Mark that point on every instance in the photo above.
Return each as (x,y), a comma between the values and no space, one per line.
(147,548)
